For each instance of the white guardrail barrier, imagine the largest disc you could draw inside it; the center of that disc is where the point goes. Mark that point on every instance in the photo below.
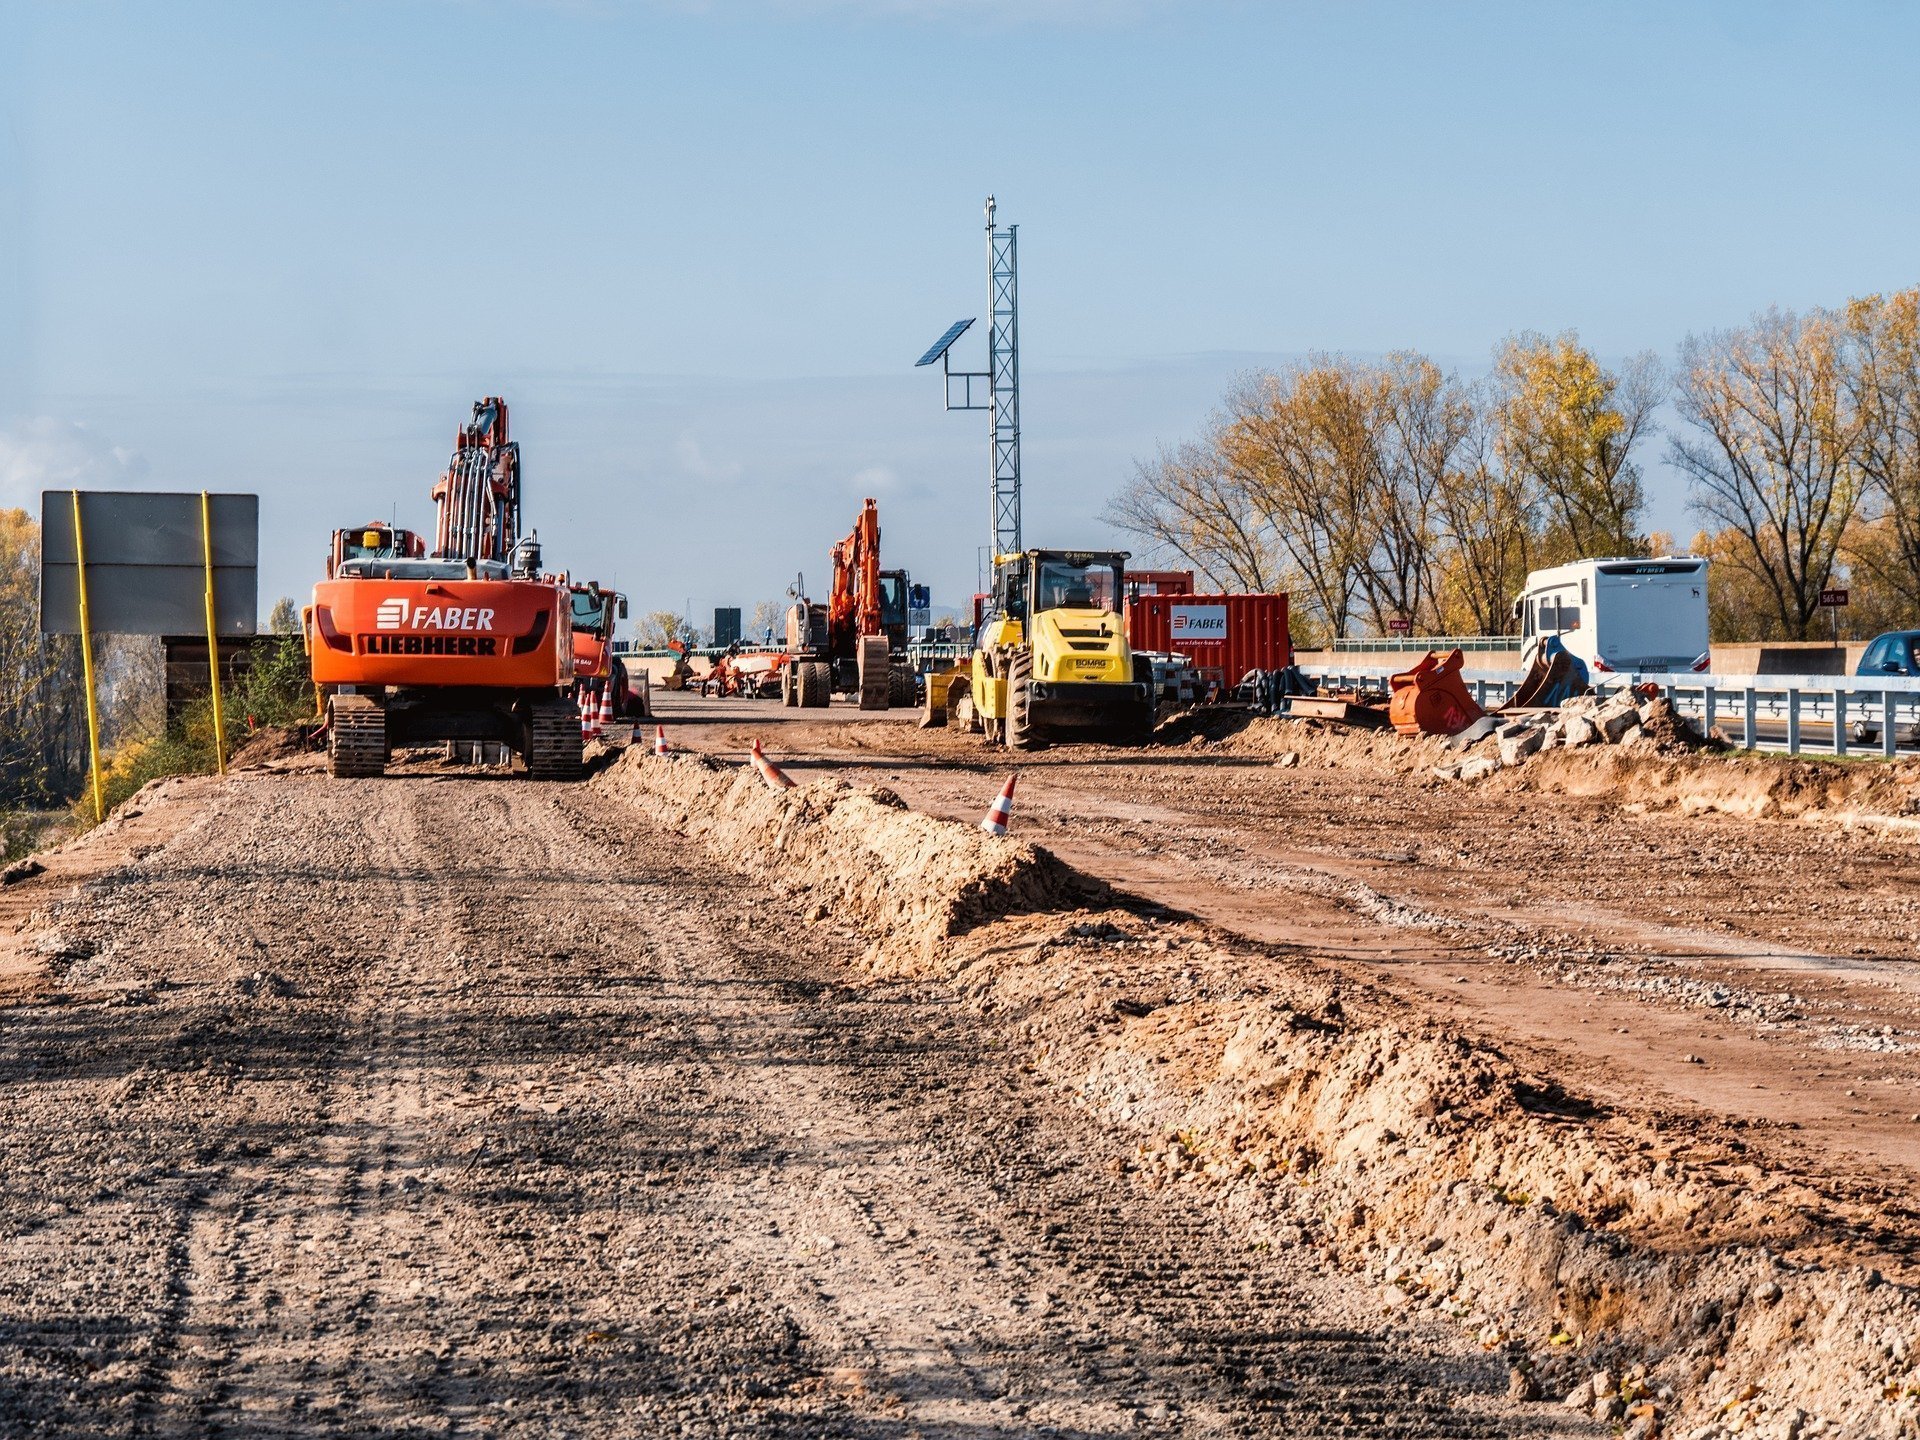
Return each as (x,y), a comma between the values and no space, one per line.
(1851,714)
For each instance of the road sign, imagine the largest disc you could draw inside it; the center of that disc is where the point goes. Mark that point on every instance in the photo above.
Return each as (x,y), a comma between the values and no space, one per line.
(1833,599)
(147,563)
(1400,624)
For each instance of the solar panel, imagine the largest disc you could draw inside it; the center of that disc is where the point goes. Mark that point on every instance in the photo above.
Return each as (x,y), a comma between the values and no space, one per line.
(945,342)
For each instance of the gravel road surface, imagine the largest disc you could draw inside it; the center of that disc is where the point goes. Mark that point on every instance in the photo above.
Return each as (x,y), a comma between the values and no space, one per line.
(449,1105)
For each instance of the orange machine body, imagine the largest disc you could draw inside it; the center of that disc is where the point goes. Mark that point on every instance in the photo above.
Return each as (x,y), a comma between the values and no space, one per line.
(367,632)
(593,621)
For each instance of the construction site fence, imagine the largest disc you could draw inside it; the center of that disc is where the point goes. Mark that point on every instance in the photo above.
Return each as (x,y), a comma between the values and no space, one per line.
(1847,714)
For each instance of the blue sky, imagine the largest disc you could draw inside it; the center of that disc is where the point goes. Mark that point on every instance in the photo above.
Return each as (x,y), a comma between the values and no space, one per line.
(698,246)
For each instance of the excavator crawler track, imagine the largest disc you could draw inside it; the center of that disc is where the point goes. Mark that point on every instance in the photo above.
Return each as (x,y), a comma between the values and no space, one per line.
(356,738)
(553,741)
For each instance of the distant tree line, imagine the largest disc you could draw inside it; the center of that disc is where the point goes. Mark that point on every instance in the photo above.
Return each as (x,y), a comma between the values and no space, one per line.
(1392,489)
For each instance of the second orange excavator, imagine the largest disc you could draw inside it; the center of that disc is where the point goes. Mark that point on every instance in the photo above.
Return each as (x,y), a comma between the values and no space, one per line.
(857,642)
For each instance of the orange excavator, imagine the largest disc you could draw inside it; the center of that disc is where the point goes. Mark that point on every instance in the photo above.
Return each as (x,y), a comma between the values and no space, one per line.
(857,642)
(468,642)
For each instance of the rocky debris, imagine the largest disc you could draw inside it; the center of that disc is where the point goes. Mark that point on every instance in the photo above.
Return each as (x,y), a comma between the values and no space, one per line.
(1616,717)
(1479,767)
(1619,720)
(1518,741)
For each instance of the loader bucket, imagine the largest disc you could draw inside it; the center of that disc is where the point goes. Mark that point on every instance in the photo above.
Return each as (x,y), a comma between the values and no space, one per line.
(1431,699)
(933,715)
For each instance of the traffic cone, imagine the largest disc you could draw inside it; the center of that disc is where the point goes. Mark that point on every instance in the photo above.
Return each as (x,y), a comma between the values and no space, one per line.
(606,706)
(584,703)
(776,778)
(660,741)
(1000,813)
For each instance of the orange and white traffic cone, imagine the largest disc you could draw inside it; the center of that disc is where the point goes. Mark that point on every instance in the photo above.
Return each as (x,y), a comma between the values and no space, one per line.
(776,778)
(606,707)
(584,703)
(660,741)
(1000,813)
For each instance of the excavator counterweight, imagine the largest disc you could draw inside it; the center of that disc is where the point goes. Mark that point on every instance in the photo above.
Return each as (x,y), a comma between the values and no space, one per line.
(468,643)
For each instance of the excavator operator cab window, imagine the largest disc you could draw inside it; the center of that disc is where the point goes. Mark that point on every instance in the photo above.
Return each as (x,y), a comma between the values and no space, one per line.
(1064,586)
(893,598)
(371,542)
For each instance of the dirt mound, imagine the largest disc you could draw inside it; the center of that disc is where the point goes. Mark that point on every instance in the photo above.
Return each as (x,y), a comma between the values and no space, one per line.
(854,854)
(1678,1268)
(270,743)
(1683,772)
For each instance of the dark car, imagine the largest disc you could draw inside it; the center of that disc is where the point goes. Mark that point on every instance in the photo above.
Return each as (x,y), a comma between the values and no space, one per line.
(1895,653)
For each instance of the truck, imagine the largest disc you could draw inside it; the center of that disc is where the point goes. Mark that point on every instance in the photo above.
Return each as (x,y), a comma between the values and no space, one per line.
(1620,614)
(595,665)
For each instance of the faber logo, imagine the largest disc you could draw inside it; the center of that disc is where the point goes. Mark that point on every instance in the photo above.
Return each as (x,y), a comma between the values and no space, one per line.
(1199,622)
(397,614)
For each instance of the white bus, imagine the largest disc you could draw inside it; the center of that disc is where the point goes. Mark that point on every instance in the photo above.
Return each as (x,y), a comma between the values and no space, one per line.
(1620,615)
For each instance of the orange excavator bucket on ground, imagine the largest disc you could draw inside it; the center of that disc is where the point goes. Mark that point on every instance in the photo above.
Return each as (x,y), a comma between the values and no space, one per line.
(1432,699)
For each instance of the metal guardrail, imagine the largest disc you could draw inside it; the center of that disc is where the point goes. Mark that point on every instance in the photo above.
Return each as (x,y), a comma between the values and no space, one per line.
(1418,644)
(1737,703)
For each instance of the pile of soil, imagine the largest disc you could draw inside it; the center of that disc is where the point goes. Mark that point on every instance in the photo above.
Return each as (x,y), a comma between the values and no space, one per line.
(270,743)
(1679,770)
(851,853)
(1576,1241)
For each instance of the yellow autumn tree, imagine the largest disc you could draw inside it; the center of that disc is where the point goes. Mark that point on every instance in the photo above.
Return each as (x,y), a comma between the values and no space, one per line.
(1569,429)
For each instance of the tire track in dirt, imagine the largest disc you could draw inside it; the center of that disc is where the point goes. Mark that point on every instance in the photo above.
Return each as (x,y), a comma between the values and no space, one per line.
(471,1107)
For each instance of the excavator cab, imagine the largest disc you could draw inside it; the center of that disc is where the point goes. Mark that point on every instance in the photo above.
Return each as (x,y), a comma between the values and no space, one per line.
(373,541)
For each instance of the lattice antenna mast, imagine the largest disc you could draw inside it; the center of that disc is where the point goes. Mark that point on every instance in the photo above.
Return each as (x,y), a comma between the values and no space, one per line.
(1003,365)
(999,383)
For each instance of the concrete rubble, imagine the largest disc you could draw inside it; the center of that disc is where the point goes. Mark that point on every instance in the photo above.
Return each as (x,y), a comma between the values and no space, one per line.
(1621,719)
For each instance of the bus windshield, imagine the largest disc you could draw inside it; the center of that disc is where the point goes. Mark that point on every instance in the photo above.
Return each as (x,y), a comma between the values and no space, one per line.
(1061,586)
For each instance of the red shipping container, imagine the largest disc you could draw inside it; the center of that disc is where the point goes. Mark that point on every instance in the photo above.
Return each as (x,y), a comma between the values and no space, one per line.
(1224,635)
(1158,582)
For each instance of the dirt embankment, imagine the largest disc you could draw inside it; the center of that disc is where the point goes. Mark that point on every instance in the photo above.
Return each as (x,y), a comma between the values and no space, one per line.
(1670,1282)
(1879,794)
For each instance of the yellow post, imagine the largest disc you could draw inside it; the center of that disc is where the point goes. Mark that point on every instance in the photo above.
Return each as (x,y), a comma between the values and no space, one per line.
(213,636)
(86,660)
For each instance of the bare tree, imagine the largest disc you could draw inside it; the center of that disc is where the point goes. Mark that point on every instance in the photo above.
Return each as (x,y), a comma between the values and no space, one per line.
(1775,457)
(1423,417)
(1486,522)
(1302,448)
(1186,504)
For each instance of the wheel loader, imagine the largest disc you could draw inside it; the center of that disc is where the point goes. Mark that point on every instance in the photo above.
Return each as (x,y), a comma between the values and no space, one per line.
(1050,657)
